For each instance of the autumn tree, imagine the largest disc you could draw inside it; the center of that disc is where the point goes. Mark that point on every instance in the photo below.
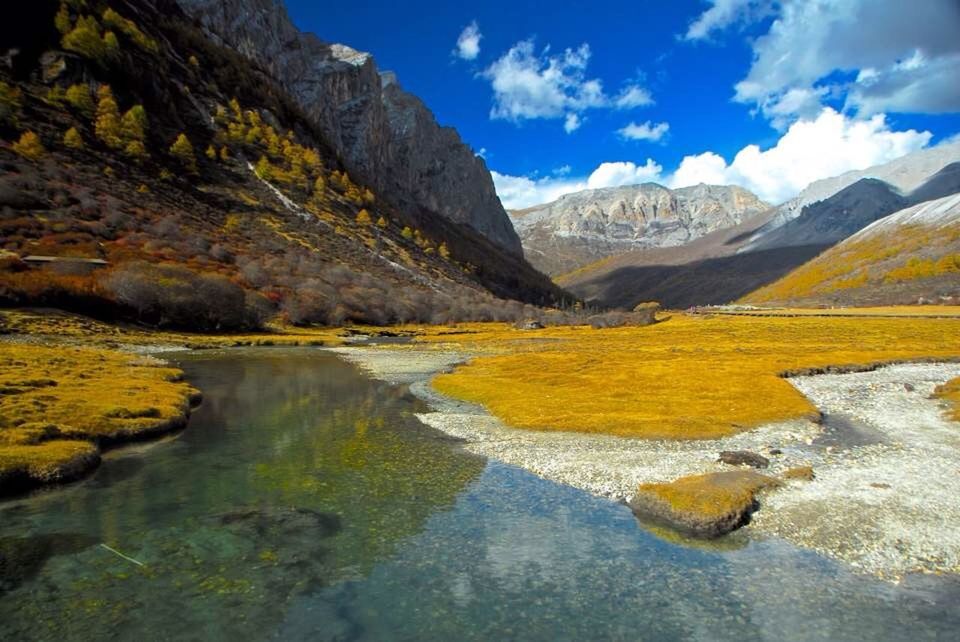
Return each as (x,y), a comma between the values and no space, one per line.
(107,126)
(224,154)
(72,139)
(134,124)
(85,39)
(182,150)
(382,223)
(136,149)
(211,152)
(29,146)
(363,218)
(444,251)
(78,96)
(407,233)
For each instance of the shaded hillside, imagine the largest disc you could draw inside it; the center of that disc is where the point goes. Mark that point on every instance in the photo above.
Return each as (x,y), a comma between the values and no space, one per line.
(911,255)
(837,217)
(585,226)
(208,167)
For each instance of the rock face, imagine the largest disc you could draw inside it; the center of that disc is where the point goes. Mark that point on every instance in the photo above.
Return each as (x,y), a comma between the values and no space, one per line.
(386,136)
(585,226)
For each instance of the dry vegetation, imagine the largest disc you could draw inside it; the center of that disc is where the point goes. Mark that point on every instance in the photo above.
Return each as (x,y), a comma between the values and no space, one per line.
(58,404)
(889,263)
(686,377)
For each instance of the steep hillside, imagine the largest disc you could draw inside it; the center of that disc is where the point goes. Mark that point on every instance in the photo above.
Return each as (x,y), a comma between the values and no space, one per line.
(911,255)
(905,174)
(206,188)
(836,217)
(386,136)
(583,227)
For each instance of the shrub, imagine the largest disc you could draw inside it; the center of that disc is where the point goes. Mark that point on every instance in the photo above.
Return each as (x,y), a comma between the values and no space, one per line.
(29,146)
(175,296)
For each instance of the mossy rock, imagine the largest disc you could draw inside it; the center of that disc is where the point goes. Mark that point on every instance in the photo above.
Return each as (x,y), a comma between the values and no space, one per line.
(707,505)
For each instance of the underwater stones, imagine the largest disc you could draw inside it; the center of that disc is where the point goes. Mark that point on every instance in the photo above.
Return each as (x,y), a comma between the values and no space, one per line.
(708,505)
(743,458)
(802,473)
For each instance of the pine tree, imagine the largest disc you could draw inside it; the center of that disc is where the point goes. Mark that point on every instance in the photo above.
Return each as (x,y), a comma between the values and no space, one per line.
(107,127)
(134,124)
(29,146)
(79,98)
(182,149)
(363,218)
(72,139)
(382,223)
(111,45)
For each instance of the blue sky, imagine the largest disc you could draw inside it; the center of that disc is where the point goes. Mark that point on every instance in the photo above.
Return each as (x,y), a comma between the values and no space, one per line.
(561,96)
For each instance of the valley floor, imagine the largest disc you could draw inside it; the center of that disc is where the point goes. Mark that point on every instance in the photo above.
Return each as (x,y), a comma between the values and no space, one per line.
(607,410)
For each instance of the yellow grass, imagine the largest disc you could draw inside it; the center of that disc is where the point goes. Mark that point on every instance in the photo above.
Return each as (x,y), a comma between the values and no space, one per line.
(55,402)
(684,378)
(712,495)
(877,311)
(951,392)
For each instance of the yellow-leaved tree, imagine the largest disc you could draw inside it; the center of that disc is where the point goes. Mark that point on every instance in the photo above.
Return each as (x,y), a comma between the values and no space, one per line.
(107,126)
(182,150)
(363,218)
(78,96)
(29,146)
(73,139)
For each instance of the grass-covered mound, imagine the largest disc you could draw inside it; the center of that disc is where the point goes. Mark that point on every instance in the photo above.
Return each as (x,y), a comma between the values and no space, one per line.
(687,377)
(707,505)
(59,404)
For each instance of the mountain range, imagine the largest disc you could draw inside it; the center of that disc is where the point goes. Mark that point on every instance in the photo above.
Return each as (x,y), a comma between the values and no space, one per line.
(582,227)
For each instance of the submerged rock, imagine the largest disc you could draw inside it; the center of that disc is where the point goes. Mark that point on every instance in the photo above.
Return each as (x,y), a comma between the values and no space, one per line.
(707,505)
(743,457)
(804,473)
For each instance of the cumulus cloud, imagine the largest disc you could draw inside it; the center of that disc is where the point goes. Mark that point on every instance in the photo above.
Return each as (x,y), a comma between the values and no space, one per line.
(468,44)
(827,145)
(518,192)
(875,55)
(811,149)
(644,131)
(529,85)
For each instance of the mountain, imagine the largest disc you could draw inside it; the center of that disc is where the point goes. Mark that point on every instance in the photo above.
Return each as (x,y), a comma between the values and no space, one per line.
(905,174)
(582,227)
(911,255)
(386,136)
(728,264)
(207,189)
(836,217)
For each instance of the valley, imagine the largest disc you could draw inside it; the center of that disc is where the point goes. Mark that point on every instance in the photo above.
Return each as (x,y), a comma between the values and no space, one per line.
(304,341)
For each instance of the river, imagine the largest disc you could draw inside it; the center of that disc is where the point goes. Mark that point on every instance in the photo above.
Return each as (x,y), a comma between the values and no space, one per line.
(305,501)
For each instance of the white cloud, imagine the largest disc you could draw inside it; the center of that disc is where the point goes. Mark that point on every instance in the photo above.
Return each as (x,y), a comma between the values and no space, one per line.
(518,192)
(723,13)
(624,173)
(530,85)
(645,131)
(880,55)
(468,44)
(827,145)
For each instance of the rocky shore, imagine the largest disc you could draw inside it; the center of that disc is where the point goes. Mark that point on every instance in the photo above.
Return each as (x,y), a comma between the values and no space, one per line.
(865,496)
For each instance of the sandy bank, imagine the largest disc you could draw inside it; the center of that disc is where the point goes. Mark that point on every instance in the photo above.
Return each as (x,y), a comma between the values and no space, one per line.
(887,476)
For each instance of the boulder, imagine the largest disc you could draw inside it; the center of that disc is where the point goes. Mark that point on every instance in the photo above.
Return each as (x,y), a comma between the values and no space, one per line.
(743,458)
(707,505)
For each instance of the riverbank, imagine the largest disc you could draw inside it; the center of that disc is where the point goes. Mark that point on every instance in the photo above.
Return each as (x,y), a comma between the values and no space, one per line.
(871,504)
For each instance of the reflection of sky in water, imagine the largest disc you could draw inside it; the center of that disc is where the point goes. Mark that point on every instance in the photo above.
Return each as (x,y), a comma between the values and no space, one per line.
(519,557)
(305,502)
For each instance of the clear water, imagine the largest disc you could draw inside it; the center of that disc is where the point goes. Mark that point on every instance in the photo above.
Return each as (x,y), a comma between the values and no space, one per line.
(305,502)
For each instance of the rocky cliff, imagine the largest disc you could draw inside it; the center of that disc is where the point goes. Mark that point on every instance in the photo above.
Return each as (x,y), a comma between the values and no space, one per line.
(582,227)
(385,135)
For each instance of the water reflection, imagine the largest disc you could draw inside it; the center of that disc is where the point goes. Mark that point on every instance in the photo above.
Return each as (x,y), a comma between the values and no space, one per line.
(297,471)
